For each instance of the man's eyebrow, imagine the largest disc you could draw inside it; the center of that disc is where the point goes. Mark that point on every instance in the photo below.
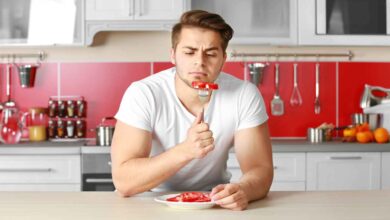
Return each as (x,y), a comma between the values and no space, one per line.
(193,48)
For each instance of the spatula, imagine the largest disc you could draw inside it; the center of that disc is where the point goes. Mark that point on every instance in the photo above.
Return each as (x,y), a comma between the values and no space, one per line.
(277,105)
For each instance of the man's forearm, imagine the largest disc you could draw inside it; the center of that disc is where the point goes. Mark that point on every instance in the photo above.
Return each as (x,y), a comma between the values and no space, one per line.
(257,182)
(142,174)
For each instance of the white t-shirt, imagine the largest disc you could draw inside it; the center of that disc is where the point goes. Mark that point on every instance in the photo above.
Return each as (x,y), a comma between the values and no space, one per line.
(152,104)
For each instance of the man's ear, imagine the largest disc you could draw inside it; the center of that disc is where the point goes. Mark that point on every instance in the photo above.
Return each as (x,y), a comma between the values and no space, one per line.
(173,61)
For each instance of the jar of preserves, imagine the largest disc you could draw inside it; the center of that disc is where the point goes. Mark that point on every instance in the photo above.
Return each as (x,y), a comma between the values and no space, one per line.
(70,108)
(60,129)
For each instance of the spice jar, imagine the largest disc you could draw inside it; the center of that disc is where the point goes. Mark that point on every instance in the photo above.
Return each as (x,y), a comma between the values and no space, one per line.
(60,129)
(80,129)
(61,109)
(70,129)
(70,108)
(80,108)
(52,129)
(52,108)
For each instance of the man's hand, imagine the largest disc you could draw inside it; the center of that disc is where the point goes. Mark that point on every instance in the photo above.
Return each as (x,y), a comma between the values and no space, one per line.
(199,141)
(230,196)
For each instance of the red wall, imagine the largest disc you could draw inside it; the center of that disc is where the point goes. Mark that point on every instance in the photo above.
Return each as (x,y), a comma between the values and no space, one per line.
(103,84)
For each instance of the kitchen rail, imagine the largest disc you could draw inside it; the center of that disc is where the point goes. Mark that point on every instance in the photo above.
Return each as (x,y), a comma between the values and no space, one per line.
(349,54)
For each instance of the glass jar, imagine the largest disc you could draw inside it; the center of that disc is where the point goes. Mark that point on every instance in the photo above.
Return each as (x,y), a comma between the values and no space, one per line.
(52,129)
(11,126)
(61,109)
(52,108)
(80,129)
(81,108)
(70,129)
(60,129)
(70,108)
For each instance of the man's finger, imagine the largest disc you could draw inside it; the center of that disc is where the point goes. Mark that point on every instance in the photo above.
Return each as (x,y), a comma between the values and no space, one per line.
(199,118)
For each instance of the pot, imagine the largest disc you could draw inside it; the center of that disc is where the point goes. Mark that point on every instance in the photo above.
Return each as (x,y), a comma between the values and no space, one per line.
(104,132)
(374,120)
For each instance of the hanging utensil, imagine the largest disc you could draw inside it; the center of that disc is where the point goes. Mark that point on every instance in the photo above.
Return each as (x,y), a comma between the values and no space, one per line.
(317,105)
(296,99)
(9,102)
(277,105)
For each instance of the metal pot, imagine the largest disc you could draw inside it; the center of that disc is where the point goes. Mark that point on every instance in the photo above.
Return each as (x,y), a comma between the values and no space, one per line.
(374,120)
(104,132)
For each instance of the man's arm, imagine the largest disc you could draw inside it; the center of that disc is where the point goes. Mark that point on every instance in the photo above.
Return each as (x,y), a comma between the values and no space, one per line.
(254,153)
(135,172)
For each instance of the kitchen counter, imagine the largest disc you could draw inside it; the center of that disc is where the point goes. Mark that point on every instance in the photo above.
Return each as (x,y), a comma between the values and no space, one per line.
(278,205)
(278,146)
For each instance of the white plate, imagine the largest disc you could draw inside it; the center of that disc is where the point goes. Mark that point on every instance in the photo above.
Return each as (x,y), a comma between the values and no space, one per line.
(183,205)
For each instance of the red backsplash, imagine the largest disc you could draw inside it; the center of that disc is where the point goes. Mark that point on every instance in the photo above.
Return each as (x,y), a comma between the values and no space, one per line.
(103,84)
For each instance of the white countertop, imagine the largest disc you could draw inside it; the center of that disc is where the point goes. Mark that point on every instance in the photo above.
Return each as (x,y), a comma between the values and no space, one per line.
(278,205)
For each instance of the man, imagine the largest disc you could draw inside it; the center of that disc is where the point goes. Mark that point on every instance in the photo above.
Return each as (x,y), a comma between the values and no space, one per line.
(162,141)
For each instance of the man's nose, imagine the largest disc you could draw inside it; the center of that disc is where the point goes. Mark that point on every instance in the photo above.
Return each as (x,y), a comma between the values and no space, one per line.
(200,59)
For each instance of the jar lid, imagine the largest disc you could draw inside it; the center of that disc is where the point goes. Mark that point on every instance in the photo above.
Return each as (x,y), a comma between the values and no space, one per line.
(37,110)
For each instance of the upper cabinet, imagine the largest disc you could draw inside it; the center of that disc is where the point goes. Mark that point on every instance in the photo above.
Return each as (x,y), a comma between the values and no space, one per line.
(103,15)
(41,22)
(344,22)
(256,21)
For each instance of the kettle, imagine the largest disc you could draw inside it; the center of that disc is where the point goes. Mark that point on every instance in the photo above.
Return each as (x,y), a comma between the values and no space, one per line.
(371,97)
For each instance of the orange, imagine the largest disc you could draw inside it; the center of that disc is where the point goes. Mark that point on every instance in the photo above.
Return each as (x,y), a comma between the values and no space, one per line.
(363,127)
(349,132)
(364,136)
(381,135)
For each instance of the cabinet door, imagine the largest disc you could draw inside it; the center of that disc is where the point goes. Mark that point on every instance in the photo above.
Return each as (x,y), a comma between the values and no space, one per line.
(289,171)
(343,171)
(256,21)
(158,9)
(109,10)
(385,170)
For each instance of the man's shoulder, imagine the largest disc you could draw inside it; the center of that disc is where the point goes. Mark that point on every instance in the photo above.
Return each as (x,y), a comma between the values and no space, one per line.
(230,82)
(156,81)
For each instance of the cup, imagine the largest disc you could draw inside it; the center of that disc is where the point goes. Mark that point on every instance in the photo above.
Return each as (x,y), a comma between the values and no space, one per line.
(37,133)
(27,75)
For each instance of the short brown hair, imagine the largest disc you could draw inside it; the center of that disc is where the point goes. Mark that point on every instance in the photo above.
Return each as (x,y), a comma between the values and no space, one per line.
(203,19)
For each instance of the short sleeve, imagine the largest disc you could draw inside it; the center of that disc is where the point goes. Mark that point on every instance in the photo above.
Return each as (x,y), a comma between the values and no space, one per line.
(252,110)
(135,108)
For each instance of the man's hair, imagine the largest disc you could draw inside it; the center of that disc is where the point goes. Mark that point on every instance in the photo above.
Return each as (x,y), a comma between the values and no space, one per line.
(203,19)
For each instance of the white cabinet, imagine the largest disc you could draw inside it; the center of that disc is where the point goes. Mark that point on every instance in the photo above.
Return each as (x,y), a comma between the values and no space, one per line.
(41,22)
(289,171)
(256,21)
(386,170)
(125,15)
(134,9)
(344,22)
(343,171)
(40,173)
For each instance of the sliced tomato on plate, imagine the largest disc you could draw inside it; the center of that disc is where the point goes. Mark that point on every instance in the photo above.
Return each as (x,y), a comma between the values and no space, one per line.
(191,197)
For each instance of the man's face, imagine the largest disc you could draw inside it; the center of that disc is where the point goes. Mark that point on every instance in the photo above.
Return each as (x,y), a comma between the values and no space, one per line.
(198,55)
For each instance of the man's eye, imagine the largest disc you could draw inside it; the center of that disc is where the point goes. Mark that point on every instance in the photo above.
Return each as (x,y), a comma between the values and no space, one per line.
(211,54)
(188,53)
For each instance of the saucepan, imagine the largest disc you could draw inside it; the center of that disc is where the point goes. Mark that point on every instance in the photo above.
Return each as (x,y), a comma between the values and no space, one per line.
(104,132)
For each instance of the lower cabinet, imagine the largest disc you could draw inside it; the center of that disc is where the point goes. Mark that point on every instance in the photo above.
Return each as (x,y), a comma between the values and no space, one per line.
(40,173)
(289,171)
(343,171)
(386,170)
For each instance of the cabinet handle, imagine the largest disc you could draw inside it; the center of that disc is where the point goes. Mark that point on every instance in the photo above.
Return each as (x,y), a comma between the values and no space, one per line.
(109,163)
(131,7)
(275,167)
(96,180)
(346,158)
(26,170)
(141,8)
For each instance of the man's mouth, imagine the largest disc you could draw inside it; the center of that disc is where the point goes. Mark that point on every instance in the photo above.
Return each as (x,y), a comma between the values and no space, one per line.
(198,74)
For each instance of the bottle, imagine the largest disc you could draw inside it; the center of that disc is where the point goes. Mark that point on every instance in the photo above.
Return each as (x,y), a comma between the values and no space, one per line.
(70,108)
(80,108)
(52,129)
(52,108)
(61,109)
(70,129)
(60,129)
(80,129)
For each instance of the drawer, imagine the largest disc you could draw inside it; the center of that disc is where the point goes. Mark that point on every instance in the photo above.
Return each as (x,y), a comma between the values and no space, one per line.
(287,166)
(40,169)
